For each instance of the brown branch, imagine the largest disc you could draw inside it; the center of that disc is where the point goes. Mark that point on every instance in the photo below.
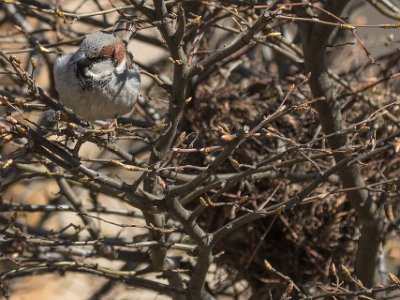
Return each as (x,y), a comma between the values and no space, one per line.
(343,164)
(314,40)
(73,266)
(66,190)
(240,41)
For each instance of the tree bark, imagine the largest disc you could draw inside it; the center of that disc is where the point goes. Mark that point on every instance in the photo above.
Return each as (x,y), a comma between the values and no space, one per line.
(314,41)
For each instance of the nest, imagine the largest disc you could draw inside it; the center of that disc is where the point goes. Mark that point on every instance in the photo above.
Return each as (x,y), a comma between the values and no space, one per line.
(302,242)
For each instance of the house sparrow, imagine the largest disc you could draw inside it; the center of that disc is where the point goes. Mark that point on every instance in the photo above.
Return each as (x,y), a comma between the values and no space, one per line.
(99,81)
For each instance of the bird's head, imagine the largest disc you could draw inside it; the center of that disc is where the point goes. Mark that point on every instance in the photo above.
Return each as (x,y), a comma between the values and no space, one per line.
(99,55)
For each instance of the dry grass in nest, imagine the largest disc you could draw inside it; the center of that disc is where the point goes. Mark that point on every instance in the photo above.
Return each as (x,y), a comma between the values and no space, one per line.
(301,243)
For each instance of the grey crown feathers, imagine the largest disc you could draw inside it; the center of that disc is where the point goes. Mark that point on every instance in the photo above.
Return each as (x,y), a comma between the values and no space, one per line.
(99,81)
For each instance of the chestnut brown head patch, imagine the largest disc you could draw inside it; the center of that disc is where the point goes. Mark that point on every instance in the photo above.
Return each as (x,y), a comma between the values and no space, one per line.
(115,51)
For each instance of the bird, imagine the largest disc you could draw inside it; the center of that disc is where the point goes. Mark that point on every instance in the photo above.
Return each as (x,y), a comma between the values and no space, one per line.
(99,81)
